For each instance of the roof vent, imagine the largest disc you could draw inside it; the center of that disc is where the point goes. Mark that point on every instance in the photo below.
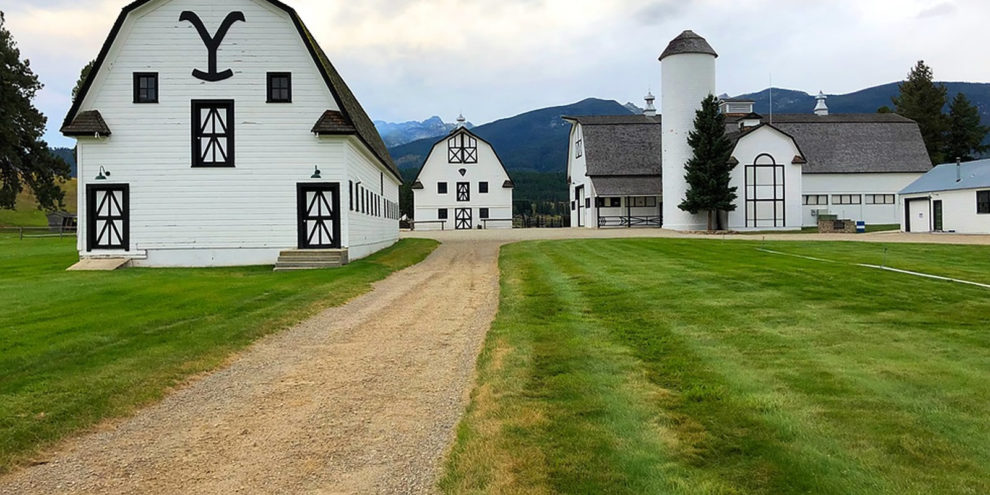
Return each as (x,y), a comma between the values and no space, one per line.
(461,121)
(821,109)
(651,110)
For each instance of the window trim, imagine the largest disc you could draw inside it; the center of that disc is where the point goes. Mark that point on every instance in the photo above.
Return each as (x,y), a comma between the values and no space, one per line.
(443,214)
(818,198)
(839,199)
(137,88)
(871,199)
(270,77)
(986,202)
(442,188)
(484,213)
(483,187)
(197,106)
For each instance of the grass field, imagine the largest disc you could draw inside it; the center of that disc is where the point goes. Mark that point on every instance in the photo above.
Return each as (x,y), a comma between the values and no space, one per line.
(27,213)
(76,348)
(687,367)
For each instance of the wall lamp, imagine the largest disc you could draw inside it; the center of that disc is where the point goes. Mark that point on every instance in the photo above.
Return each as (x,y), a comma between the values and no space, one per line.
(316,173)
(103,174)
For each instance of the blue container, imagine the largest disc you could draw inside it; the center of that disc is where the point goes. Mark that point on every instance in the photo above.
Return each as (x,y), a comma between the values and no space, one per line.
(860,227)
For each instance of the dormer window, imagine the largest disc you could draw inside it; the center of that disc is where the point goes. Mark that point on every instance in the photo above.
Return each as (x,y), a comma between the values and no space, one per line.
(279,87)
(462,148)
(145,87)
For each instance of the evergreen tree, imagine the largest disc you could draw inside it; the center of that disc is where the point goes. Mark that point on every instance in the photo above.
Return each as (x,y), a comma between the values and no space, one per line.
(965,135)
(922,101)
(24,155)
(82,78)
(708,172)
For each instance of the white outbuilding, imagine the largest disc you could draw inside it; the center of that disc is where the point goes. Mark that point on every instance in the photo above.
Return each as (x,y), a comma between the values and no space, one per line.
(462,185)
(217,132)
(952,197)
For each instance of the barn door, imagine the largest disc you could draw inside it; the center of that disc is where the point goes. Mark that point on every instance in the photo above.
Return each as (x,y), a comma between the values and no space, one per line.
(937,215)
(462,219)
(107,217)
(319,216)
(463,191)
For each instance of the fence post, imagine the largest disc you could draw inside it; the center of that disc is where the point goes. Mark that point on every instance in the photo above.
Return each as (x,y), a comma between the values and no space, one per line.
(21,230)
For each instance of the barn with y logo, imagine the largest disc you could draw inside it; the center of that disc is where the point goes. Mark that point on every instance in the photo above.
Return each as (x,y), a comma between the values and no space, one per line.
(218,133)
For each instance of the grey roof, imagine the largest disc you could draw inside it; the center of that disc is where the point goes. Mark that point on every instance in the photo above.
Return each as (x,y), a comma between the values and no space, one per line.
(87,124)
(688,42)
(333,122)
(644,185)
(856,143)
(348,103)
(973,175)
(621,145)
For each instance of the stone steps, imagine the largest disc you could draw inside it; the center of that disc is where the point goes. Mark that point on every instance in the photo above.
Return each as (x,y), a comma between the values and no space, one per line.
(311,259)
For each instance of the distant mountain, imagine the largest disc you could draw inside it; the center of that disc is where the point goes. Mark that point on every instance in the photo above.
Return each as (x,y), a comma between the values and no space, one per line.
(395,134)
(67,154)
(865,101)
(632,107)
(534,141)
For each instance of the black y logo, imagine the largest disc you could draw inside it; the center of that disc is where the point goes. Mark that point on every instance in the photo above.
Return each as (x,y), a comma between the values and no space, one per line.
(212,43)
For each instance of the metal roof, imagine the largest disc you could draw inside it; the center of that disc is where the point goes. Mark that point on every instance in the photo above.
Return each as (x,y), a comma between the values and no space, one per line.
(972,175)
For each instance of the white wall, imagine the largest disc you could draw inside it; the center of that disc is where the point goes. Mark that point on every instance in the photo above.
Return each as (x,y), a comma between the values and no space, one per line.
(436,168)
(687,79)
(958,212)
(767,140)
(859,184)
(242,215)
(366,233)
(577,170)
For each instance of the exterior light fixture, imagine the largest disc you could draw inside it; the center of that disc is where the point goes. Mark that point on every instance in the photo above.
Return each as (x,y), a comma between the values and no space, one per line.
(316,173)
(103,174)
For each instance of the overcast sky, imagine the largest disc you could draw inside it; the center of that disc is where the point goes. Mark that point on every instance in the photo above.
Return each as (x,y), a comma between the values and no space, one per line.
(409,60)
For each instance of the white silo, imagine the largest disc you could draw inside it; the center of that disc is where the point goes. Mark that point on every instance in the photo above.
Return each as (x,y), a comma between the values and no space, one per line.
(688,77)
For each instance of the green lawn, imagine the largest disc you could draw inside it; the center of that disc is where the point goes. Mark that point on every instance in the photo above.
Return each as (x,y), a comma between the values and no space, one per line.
(814,230)
(699,366)
(27,214)
(76,348)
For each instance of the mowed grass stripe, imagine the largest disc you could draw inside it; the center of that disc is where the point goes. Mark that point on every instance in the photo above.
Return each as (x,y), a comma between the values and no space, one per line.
(745,372)
(76,348)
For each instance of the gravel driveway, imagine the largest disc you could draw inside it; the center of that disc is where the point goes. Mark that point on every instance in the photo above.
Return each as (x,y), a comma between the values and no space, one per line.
(363,398)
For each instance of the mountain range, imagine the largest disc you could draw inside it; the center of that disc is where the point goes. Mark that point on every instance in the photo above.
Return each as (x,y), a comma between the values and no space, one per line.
(396,134)
(537,140)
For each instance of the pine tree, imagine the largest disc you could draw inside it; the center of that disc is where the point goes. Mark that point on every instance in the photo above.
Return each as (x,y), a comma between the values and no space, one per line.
(24,155)
(708,172)
(83,74)
(922,101)
(965,134)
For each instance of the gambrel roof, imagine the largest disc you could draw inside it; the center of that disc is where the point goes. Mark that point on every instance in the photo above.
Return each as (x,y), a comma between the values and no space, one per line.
(350,109)
(508,184)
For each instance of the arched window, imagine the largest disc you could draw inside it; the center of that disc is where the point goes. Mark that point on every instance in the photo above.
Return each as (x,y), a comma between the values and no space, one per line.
(765,193)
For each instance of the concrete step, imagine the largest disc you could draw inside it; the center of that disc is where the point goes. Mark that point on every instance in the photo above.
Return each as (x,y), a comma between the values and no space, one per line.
(311,259)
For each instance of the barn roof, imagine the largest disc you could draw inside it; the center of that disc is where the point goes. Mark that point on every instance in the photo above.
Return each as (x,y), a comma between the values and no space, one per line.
(333,122)
(628,186)
(508,184)
(350,108)
(89,123)
(621,145)
(688,42)
(856,143)
(972,175)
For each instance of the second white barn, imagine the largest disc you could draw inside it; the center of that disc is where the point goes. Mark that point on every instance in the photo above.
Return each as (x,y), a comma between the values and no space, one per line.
(462,185)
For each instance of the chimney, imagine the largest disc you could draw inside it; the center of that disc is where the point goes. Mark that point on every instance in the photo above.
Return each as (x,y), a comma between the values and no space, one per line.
(651,111)
(821,109)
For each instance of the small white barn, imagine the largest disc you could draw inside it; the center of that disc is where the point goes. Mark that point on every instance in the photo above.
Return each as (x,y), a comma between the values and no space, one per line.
(949,198)
(462,185)
(217,132)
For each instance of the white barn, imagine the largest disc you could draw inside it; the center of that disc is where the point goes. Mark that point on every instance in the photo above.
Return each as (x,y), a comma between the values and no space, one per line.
(789,168)
(949,198)
(462,185)
(217,132)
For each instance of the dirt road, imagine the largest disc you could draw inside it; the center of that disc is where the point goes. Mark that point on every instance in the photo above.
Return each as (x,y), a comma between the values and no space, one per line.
(363,398)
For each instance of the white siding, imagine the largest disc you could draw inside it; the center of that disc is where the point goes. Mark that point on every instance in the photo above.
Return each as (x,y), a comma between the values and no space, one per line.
(958,212)
(240,215)
(436,169)
(857,184)
(577,170)
(366,233)
(767,140)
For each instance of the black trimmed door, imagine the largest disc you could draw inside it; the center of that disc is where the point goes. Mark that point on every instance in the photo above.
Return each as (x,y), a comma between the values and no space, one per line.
(462,219)
(937,215)
(108,217)
(318,210)
(463,191)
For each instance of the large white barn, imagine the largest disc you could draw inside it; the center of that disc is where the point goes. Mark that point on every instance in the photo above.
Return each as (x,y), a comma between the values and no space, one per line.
(789,168)
(217,132)
(462,185)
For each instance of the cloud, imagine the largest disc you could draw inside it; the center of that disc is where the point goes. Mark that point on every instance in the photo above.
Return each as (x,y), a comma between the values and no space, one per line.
(942,9)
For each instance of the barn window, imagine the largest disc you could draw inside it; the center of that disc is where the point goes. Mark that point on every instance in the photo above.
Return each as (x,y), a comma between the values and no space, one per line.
(483,187)
(350,194)
(279,87)
(643,202)
(213,133)
(441,188)
(880,199)
(442,214)
(983,202)
(847,199)
(579,148)
(482,212)
(145,87)
(462,148)
(765,193)
(815,199)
